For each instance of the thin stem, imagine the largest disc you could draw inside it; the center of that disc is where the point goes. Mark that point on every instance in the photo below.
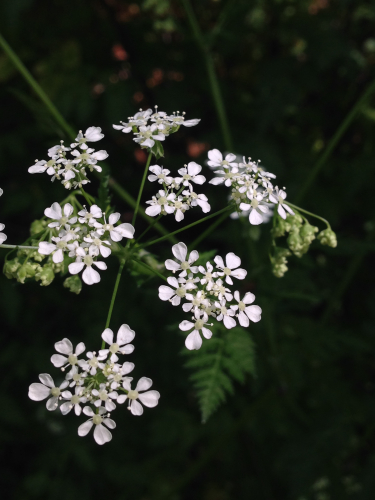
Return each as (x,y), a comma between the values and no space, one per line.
(308,213)
(122,264)
(148,228)
(208,231)
(86,196)
(36,87)
(149,268)
(210,68)
(335,139)
(141,187)
(149,243)
(18,246)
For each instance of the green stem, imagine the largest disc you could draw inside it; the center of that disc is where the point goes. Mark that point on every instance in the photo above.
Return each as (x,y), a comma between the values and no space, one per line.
(150,268)
(141,187)
(335,139)
(36,87)
(308,213)
(149,243)
(208,231)
(148,228)
(210,68)
(18,246)
(122,264)
(86,196)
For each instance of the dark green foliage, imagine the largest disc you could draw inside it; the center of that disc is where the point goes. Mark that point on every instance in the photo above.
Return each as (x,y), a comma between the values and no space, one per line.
(229,355)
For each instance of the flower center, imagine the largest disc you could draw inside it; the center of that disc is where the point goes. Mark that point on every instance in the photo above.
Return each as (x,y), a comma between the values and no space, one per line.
(97,242)
(187,177)
(88,260)
(185,265)
(72,359)
(93,362)
(61,244)
(228,175)
(114,348)
(64,220)
(117,377)
(75,400)
(241,306)
(103,395)
(199,324)
(97,419)
(108,227)
(227,271)
(208,276)
(223,310)
(254,203)
(180,292)
(162,200)
(178,204)
(132,394)
(55,391)
(76,377)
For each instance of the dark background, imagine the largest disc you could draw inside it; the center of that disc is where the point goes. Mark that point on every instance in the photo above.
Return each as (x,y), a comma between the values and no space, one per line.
(290,72)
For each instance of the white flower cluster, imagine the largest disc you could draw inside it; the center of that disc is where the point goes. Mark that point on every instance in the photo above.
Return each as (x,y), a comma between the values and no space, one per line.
(72,171)
(206,293)
(161,125)
(98,380)
(83,237)
(177,195)
(251,188)
(3,236)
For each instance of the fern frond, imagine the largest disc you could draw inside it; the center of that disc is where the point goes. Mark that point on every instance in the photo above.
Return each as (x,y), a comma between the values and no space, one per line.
(229,355)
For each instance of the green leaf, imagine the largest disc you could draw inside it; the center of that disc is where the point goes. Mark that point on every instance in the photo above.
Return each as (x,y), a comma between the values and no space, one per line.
(157,150)
(229,355)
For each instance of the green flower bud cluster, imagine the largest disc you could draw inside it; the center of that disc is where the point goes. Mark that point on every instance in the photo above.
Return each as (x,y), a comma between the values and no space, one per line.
(74,284)
(279,261)
(283,226)
(299,239)
(328,237)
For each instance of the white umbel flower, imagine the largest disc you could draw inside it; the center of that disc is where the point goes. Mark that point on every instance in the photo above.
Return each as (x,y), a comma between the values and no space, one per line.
(148,398)
(91,364)
(3,236)
(246,313)
(98,246)
(67,355)
(101,433)
(225,315)
(116,233)
(216,159)
(159,174)
(257,209)
(194,340)
(38,392)
(190,174)
(161,202)
(232,262)
(180,252)
(122,345)
(73,401)
(89,275)
(86,217)
(92,134)
(105,397)
(57,248)
(56,213)
(174,295)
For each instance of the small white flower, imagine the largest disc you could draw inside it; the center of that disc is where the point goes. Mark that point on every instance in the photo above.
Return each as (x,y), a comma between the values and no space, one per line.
(89,275)
(279,198)
(56,213)
(190,174)
(180,252)
(76,377)
(216,159)
(197,199)
(208,275)
(257,208)
(116,233)
(74,401)
(180,207)
(160,175)
(117,376)
(86,217)
(57,248)
(174,296)
(197,301)
(91,364)
(71,357)
(246,312)
(104,397)
(225,314)
(97,245)
(122,345)
(194,340)
(148,134)
(162,201)
(148,398)
(38,392)
(101,433)
(230,269)
(220,291)
(178,119)
(3,236)
(90,157)
(41,166)
(92,134)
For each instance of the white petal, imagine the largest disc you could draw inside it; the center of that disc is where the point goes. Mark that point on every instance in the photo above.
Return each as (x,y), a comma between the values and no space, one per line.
(219,261)
(113,218)
(58,256)
(38,392)
(179,251)
(243,319)
(76,267)
(136,408)
(53,212)
(107,336)
(255,218)
(111,424)
(68,209)
(216,181)
(206,333)
(240,274)
(215,155)
(165,292)
(87,410)
(173,281)
(52,404)
(66,407)
(281,212)
(150,398)
(153,210)
(194,255)
(248,298)
(232,260)
(85,428)
(100,155)
(172,265)
(64,346)
(100,265)
(254,313)
(94,134)
(229,322)
(58,360)
(126,230)
(96,211)
(46,248)
(193,341)
(90,276)
(144,383)
(125,335)
(127,367)
(46,380)
(121,399)
(193,168)
(80,348)
(186,325)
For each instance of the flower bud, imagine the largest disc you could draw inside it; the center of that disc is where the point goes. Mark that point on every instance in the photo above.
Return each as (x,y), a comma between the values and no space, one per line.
(279,262)
(328,237)
(57,268)
(307,233)
(45,275)
(37,226)
(26,271)
(74,284)
(11,267)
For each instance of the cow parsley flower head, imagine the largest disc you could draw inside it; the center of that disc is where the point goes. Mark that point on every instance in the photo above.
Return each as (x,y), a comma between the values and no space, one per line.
(67,356)
(92,134)
(232,262)
(47,389)
(246,312)
(60,216)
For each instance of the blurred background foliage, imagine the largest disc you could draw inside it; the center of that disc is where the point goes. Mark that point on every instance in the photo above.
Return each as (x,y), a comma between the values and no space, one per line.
(290,72)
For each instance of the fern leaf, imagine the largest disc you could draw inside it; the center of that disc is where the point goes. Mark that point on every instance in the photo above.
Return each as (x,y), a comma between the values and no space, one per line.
(228,356)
